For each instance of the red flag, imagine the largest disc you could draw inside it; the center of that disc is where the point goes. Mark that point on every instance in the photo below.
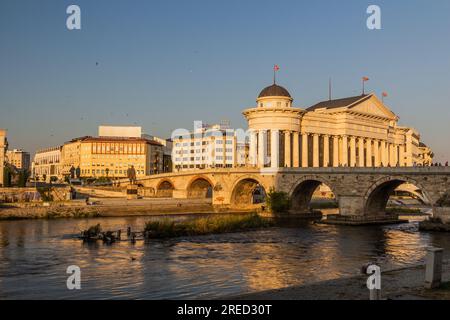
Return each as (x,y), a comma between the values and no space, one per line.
(276,68)
(365,79)
(385,94)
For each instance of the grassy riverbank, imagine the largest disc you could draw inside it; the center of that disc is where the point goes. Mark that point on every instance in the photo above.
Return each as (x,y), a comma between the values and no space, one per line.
(202,226)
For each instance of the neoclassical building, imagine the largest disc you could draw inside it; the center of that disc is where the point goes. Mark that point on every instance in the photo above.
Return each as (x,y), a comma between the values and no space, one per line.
(358,131)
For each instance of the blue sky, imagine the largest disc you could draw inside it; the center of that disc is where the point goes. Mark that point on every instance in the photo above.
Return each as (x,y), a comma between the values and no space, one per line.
(164,64)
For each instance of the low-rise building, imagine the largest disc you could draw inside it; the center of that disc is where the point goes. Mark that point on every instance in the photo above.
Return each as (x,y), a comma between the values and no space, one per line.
(3,148)
(19,159)
(426,155)
(111,157)
(213,146)
(47,164)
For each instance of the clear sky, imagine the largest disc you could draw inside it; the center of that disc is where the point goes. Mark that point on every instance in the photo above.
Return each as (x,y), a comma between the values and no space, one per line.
(164,64)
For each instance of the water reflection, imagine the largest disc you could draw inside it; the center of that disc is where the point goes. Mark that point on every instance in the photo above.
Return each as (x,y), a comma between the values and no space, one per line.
(34,256)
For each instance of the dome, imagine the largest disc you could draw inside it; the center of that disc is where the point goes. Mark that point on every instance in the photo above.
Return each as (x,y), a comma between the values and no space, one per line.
(274,91)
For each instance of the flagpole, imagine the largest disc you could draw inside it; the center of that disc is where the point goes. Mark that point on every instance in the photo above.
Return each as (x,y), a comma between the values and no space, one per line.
(329,89)
(363,87)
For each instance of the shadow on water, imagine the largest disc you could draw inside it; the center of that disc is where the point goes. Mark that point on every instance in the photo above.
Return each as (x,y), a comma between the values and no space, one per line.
(37,253)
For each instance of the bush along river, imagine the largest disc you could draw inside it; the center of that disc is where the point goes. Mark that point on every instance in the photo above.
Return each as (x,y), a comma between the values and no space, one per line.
(35,255)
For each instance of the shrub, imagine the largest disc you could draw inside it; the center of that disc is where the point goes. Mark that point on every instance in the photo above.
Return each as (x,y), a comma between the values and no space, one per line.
(167,228)
(278,202)
(45,193)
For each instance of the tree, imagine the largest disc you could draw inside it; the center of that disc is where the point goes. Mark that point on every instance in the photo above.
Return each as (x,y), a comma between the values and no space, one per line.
(278,202)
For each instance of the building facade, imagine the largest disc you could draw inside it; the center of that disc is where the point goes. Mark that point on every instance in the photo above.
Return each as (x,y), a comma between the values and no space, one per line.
(47,164)
(111,157)
(19,159)
(357,131)
(167,150)
(120,131)
(71,156)
(207,147)
(3,148)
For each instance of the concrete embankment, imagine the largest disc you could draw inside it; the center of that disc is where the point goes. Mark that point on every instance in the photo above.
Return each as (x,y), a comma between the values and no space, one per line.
(107,208)
(404,283)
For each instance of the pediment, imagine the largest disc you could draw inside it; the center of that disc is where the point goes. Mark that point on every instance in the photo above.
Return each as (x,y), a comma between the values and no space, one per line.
(373,106)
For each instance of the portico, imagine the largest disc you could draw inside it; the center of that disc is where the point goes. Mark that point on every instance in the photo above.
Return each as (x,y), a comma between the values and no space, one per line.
(357,131)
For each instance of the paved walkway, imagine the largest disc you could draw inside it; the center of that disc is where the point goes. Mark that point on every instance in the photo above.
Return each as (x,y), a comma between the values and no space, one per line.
(400,284)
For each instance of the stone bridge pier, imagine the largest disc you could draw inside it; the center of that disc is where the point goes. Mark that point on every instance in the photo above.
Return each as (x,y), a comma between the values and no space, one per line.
(362,193)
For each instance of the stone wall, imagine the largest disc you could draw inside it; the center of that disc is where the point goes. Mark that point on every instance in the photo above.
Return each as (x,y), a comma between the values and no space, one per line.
(442,213)
(20,195)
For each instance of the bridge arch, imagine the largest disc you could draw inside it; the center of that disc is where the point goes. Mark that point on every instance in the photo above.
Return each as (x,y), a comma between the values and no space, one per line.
(165,189)
(247,191)
(200,187)
(302,192)
(378,194)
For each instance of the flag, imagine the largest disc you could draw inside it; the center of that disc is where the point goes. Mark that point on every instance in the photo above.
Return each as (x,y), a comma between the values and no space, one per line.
(365,79)
(276,68)
(385,94)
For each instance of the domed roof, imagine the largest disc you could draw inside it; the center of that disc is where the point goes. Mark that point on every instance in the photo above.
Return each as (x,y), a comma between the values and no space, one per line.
(274,91)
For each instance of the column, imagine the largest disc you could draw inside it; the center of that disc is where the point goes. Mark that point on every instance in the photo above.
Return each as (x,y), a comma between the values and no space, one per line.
(287,149)
(274,148)
(261,148)
(392,155)
(402,156)
(352,151)
(304,150)
(396,160)
(384,154)
(369,153)
(335,151)
(295,150)
(361,162)
(316,150)
(344,151)
(326,150)
(376,153)
(253,152)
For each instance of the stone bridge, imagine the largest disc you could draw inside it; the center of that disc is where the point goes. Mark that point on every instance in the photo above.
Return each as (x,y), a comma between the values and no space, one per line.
(359,191)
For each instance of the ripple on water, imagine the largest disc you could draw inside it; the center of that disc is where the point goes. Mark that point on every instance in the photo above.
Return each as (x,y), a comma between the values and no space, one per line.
(37,253)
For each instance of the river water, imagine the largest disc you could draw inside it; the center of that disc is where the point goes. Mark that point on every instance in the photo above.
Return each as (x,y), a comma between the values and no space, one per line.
(35,254)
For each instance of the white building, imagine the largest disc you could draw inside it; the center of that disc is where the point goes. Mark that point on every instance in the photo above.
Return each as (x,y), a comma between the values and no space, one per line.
(208,147)
(47,164)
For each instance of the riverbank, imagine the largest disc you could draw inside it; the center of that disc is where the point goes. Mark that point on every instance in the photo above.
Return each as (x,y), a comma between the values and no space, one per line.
(399,284)
(106,208)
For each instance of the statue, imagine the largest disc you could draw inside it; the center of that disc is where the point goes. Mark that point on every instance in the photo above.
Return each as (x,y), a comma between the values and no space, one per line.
(72,172)
(131,174)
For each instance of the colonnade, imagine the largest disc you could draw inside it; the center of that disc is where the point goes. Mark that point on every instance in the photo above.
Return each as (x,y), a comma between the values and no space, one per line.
(276,148)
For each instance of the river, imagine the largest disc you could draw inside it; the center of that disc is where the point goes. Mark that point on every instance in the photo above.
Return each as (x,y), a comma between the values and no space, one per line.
(34,256)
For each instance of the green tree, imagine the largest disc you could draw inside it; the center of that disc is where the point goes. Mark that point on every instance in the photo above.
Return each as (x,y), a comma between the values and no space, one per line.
(278,202)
